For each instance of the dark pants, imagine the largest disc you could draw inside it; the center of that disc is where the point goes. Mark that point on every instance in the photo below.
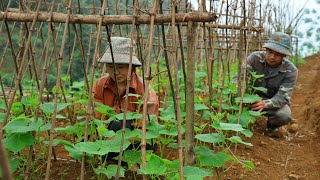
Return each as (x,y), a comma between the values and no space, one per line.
(279,117)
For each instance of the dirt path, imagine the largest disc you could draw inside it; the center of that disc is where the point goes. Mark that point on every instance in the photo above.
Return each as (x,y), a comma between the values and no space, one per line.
(298,155)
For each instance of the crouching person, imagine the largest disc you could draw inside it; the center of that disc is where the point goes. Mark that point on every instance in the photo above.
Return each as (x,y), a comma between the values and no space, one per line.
(106,88)
(279,79)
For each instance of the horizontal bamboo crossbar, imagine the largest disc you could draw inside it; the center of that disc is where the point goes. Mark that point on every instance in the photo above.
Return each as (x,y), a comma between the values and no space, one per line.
(107,19)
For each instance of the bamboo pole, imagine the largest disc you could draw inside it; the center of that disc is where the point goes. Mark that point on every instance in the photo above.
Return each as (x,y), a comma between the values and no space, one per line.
(177,98)
(107,19)
(189,153)
(90,101)
(146,85)
(4,160)
(58,85)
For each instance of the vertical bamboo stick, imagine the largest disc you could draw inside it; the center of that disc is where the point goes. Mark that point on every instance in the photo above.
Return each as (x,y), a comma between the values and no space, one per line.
(90,101)
(4,160)
(177,98)
(189,136)
(58,85)
(146,85)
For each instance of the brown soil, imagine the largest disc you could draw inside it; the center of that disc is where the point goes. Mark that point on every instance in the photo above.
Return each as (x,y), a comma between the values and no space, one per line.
(294,157)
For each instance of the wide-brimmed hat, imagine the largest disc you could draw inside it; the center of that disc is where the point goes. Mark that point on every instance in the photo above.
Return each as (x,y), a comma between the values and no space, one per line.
(279,42)
(121,52)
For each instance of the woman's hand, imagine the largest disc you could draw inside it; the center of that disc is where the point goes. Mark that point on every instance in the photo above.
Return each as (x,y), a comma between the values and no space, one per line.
(259,105)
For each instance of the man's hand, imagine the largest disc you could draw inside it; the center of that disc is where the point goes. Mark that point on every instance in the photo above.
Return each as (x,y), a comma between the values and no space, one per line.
(258,106)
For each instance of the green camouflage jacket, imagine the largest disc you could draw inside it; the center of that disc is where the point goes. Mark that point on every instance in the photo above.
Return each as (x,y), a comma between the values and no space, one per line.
(278,81)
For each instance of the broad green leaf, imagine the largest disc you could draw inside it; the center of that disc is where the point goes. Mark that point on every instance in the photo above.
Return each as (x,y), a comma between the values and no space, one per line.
(213,159)
(132,157)
(173,131)
(2,115)
(248,98)
(262,89)
(17,142)
(110,171)
(3,104)
(255,113)
(22,125)
(227,126)
(68,129)
(59,116)
(199,107)
(48,108)
(237,139)
(17,107)
(104,109)
(210,138)
(129,116)
(74,152)
(195,173)
(247,133)
(102,147)
(30,101)
(45,127)
(248,164)
(155,166)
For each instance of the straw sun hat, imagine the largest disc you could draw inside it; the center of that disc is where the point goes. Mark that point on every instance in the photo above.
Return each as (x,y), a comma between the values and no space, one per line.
(121,52)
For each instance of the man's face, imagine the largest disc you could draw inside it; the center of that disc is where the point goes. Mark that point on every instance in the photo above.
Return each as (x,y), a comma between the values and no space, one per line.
(121,72)
(274,59)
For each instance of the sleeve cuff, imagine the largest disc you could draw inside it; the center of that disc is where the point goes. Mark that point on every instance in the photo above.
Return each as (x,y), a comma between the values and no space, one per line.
(268,103)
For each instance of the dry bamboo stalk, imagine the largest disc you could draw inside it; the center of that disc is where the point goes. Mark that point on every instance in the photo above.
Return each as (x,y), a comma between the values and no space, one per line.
(189,153)
(58,85)
(107,19)
(90,101)
(3,92)
(4,160)
(177,98)
(126,98)
(146,85)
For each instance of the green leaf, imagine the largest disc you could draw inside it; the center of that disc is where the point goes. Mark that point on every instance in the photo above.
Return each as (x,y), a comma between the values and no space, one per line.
(17,142)
(227,126)
(248,164)
(104,109)
(155,166)
(110,171)
(262,89)
(22,125)
(210,138)
(132,157)
(17,107)
(2,115)
(213,159)
(74,152)
(30,101)
(45,127)
(48,108)
(247,133)
(195,173)
(248,98)
(102,147)
(3,104)
(237,139)
(199,107)
(255,113)
(129,116)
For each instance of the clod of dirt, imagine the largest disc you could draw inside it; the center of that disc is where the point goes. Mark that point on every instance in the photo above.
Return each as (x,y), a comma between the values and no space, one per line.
(293,128)
(293,177)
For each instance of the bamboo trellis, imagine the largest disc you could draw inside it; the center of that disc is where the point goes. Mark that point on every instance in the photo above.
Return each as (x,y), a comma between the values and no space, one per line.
(217,34)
